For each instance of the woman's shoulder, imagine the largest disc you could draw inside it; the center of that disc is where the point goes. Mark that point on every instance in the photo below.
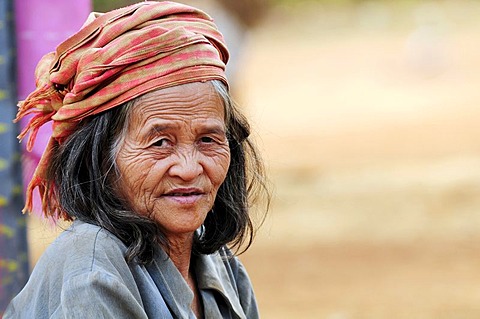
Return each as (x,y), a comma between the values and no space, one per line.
(73,275)
(92,235)
(83,247)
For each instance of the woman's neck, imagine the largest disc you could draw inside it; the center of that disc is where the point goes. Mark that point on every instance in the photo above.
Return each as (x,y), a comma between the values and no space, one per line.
(180,253)
(181,256)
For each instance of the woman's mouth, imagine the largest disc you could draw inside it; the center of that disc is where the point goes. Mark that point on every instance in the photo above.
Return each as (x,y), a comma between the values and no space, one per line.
(184,196)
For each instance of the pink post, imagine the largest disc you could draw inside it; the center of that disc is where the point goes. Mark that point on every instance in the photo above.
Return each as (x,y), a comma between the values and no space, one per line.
(40,26)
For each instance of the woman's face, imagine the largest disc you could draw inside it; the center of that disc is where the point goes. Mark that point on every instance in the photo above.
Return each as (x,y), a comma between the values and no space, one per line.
(175,156)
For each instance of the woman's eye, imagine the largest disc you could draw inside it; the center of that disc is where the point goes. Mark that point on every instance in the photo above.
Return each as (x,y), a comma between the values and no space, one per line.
(206,139)
(161,143)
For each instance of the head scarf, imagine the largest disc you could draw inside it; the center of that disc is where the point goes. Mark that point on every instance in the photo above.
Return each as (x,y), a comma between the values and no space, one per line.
(114,58)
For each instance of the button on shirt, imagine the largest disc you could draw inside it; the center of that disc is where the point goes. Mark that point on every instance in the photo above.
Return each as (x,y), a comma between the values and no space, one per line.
(83,274)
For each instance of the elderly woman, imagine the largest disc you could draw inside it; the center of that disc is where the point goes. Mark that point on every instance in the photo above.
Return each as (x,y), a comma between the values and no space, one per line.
(152,162)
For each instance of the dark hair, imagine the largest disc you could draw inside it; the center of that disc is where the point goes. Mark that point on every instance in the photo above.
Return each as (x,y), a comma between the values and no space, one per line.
(83,171)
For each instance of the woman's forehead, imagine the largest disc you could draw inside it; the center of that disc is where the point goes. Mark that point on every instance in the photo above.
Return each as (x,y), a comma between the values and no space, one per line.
(196,102)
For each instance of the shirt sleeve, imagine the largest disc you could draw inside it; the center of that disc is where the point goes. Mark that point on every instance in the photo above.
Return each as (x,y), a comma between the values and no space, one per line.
(100,295)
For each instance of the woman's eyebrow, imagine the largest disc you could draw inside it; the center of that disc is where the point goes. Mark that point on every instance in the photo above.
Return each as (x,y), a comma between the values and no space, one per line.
(213,129)
(157,129)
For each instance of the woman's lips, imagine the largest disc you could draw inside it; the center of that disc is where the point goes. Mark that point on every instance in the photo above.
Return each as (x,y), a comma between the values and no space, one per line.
(184,196)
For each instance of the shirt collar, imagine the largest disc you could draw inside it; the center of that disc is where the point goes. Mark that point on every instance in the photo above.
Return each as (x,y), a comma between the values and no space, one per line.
(171,285)
(213,273)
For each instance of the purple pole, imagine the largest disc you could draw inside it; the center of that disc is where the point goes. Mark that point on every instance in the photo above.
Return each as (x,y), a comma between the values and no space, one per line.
(40,26)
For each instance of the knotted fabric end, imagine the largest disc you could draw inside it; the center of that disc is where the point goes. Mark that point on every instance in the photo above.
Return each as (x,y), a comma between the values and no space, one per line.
(41,102)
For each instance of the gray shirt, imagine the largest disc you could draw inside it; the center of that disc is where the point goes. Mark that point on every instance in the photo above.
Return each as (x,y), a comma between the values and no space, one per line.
(83,274)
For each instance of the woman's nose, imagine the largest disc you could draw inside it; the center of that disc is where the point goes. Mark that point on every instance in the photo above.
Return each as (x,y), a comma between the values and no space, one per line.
(187,165)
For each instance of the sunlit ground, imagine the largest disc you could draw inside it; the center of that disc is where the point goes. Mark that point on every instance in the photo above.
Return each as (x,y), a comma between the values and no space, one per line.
(368,119)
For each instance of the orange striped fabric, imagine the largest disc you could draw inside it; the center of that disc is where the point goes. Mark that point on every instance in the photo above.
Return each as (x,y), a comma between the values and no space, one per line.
(114,58)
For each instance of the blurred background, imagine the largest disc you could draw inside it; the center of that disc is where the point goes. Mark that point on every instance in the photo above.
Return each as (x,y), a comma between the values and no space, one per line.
(367,115)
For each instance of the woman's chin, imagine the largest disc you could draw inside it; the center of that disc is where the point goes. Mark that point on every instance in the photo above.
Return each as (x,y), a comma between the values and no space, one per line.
(180,223)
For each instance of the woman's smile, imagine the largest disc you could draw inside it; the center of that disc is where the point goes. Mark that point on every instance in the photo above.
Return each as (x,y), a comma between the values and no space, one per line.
(175,156)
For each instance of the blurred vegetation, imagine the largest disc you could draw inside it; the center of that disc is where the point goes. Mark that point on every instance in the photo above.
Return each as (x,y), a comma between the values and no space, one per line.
(247,12)
(105,5)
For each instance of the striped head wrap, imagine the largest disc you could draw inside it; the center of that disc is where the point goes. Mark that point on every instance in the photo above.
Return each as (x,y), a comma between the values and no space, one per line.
(116,57)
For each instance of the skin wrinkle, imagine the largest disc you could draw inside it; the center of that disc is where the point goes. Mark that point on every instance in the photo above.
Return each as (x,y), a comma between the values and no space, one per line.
(229,224)
(189,120)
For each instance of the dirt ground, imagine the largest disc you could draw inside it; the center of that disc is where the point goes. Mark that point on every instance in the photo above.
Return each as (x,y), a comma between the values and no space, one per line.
(368,119)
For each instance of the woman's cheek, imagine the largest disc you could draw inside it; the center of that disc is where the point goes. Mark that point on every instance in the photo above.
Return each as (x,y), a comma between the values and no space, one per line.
(222,163)
(133,169)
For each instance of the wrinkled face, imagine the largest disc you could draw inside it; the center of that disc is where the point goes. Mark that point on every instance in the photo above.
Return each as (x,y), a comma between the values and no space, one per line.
(175,156)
